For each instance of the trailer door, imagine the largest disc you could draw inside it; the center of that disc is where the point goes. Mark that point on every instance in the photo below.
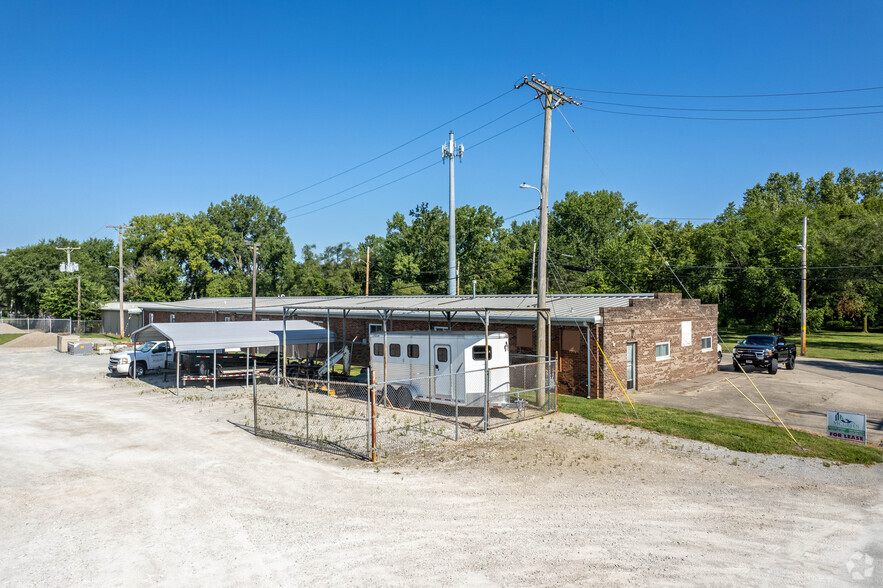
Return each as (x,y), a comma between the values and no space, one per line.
(443,379)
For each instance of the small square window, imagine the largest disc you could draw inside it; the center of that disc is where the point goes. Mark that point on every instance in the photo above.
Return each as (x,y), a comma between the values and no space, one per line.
(395,350)
(413,351)
(441,354)
(378,349)
(375,328)
(226,319)
(478,352)
(662,351)
(706,343)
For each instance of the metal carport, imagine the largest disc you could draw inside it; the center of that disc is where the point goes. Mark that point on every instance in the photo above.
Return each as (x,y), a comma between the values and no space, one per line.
(205,336)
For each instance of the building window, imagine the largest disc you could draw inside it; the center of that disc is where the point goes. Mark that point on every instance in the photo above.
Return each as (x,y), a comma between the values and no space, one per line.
(478,352)
(395,350)
(319,323)
(413,351)
(686,333)
(226,319)
(662,351)
(706,343)
(437,328)
(378,349)
(150,319)
(171,318)
(375,328)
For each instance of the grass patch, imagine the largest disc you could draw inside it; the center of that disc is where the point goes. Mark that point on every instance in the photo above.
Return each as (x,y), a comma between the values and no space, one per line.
(727,432)
(851,346)
(7,337)
(114,338)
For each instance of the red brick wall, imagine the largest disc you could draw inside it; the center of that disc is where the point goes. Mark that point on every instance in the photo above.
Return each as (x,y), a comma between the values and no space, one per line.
(647,322)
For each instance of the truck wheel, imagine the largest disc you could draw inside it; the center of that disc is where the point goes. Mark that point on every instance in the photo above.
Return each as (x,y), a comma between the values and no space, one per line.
(139,367)
(790,364)
(774,365)
(719,356)
(736,366)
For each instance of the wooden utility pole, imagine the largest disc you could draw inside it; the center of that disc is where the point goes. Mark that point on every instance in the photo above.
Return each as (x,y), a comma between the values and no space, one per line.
(552,99)
(120,229)
(803,292)
(254,280)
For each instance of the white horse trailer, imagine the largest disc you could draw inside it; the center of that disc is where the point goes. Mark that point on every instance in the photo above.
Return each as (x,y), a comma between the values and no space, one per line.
(451,372)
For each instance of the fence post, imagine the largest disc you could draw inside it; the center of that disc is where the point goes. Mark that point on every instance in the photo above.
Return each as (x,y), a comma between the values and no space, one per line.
(254,397)
(372,399)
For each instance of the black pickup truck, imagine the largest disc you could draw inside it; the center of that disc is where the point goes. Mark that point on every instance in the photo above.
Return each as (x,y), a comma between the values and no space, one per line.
(765,352)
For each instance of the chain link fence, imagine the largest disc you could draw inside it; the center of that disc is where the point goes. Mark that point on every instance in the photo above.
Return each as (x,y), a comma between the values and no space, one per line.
(44,325)
(358,419)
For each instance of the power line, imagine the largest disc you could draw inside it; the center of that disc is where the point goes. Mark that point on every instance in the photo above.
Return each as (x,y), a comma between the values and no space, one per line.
(373,159)
(772,118)
(401,178)
(817,93)
(733,109)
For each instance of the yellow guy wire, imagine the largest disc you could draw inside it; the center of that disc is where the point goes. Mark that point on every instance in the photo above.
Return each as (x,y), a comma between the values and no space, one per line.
(751,401)
(617,377)
(773,410)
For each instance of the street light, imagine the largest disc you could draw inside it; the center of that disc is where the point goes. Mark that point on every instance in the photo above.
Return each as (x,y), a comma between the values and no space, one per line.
(523,185)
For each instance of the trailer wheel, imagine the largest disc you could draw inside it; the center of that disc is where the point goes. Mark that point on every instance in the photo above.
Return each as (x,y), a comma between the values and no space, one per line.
(203,367)
(774,365)
(403,398)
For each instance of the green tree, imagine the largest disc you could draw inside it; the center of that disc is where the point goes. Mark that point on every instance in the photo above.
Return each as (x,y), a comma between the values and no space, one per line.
(60,300)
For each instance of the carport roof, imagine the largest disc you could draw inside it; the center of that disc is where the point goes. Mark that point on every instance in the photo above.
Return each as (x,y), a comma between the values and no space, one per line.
(224,335)
(563,307)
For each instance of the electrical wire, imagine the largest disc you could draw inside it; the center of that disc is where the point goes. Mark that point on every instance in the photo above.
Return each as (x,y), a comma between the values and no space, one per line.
(829,108)
(775,118)
(817,93)
(384,154)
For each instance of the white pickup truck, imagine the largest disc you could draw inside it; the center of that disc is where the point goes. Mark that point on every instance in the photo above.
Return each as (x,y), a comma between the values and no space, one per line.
(152,355)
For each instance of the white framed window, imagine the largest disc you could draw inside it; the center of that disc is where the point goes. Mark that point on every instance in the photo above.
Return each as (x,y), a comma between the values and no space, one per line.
(437,328)
(226,319)
(375,328)
(706,344)
(171,318)
(150,318)
(319,323)
(663,350)
(686,333)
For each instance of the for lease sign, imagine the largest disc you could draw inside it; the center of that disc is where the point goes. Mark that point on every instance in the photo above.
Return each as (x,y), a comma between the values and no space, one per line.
(847,425)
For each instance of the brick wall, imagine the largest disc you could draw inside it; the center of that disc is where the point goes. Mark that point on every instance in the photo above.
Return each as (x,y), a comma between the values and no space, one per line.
(648,322)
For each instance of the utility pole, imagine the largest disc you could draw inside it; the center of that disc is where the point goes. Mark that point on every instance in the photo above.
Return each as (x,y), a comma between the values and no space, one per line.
(803,292)
(70,268)
(533,266)
(448,152)
(552,99)
(254,279)
(120,229)
(367,267)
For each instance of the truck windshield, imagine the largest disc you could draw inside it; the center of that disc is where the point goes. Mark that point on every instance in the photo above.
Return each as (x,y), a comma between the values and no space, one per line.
(760,340)
(147,347)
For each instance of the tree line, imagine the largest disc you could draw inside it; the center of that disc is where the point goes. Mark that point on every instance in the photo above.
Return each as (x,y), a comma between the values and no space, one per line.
(746,260)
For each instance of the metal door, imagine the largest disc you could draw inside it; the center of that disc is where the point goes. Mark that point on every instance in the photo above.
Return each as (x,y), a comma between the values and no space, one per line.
(443,380)
(630,355)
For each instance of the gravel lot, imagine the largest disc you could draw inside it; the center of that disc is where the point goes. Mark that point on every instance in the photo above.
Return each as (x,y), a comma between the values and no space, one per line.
(108,481)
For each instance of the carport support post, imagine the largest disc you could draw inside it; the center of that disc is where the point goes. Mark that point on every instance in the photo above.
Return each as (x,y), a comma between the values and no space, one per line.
(135,360)
(254,397)
(487,374)
(430,358)
(372,403)
(177,372)
(247,363)
(385,399)
(328,351)
(284,342)
(214,369)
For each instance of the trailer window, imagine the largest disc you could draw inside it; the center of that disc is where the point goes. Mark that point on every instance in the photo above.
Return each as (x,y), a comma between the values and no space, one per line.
(478,352)
(441,354)
(378,349)
(395,350)
(413,351)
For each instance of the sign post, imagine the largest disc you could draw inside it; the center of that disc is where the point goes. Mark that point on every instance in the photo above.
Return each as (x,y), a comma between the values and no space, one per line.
(848,426)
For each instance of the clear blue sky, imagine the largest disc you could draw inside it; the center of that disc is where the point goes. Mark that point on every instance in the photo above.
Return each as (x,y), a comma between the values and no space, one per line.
(114,109)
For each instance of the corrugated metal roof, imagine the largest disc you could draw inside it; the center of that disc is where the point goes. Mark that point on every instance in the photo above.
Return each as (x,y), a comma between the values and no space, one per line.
(564,308)
(224,335)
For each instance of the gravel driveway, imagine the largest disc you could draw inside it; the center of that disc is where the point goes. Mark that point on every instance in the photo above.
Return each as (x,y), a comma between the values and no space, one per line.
(106,481)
